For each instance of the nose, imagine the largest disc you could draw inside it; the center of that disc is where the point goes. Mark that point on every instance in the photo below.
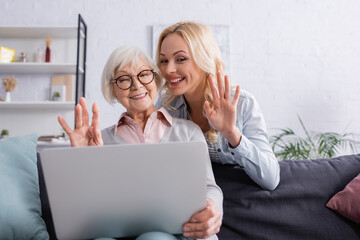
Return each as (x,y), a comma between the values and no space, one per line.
(170,68)
(136,83)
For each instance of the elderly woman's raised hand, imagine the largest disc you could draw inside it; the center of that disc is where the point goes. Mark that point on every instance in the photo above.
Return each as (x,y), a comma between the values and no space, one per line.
(84,134)
(205,223)
(222,115)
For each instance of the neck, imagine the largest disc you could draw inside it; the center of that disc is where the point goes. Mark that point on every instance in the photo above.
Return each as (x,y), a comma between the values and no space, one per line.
(195,103)
(141,117)
(196,97)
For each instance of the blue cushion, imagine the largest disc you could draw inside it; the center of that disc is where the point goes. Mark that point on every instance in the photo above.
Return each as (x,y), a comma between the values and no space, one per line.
(20,215)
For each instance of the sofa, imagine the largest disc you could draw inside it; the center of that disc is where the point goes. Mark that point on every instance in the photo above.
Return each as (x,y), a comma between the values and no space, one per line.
(296,208)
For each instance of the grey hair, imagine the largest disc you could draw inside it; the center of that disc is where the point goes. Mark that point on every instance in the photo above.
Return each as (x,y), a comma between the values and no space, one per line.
(118,59)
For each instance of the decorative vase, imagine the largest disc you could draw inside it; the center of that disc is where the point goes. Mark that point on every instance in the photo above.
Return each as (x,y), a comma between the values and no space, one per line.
(7,98)
(57,99)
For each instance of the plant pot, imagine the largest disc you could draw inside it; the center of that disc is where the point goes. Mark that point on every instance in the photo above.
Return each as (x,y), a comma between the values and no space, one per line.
(57,99)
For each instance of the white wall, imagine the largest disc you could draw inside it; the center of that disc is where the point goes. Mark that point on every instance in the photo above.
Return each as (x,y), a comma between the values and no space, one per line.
(296,56)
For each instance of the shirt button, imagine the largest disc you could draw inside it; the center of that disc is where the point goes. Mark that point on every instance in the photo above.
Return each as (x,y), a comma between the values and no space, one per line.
(232,153)
(219,150)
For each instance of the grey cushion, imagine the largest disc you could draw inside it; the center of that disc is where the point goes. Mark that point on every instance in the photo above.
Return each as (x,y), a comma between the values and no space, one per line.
(295,209)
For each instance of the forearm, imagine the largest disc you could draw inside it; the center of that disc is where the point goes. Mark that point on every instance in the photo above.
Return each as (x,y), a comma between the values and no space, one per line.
(260,164)
(214,193)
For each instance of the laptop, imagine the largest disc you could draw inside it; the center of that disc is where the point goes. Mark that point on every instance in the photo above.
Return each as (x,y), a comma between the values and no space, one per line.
(124,190)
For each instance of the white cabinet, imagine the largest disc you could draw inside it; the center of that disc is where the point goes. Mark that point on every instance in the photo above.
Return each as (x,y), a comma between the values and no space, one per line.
(68,50)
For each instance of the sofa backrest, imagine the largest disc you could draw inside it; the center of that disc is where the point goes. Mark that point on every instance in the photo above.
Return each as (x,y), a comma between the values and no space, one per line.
(295,209)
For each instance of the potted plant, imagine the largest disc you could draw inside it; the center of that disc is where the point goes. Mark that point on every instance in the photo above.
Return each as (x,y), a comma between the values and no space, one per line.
(4,133)
(56,96)
(287,145)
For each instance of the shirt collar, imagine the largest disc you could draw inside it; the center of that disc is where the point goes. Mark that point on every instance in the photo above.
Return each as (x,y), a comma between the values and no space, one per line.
(179,101)
(161,113)
(165,114)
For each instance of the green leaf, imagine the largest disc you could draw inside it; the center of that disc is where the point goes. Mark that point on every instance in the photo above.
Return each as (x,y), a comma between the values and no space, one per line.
(287,145)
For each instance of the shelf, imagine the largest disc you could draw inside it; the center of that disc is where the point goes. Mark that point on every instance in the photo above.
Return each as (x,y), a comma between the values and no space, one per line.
(21,68)
(37,105)
(39,32)
(40,115)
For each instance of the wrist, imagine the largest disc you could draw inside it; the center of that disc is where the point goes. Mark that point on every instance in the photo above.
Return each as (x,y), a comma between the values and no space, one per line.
(233,137)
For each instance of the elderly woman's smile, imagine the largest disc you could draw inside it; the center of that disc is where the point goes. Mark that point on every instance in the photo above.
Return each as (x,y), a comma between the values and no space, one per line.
(139,96)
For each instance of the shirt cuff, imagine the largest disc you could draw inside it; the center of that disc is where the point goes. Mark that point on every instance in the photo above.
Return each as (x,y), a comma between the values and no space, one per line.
(240,153)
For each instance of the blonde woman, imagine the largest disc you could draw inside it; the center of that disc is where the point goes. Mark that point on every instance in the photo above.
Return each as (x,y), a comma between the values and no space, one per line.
(131,78)
(195,89)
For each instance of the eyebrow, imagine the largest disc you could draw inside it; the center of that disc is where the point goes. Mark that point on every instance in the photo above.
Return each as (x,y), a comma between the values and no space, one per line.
(175,52)
(142,68)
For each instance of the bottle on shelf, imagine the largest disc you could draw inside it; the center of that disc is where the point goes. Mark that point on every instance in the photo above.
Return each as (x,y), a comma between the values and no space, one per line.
(39,56)
(22,57)
(48,51)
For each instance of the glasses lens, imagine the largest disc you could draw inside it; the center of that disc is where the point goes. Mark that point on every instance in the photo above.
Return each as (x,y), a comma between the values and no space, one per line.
(123,82)
(146,76)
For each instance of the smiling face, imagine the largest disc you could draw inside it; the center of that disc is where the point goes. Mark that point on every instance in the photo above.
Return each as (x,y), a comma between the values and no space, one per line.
(178,67)
(138,98)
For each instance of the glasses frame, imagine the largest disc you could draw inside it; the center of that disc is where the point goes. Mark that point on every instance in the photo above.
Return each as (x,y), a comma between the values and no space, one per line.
(132,80)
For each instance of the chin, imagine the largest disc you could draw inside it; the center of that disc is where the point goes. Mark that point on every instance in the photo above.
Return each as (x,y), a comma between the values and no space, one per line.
(177,91)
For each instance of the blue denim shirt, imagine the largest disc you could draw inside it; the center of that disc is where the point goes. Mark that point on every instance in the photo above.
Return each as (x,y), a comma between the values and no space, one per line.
(254,153)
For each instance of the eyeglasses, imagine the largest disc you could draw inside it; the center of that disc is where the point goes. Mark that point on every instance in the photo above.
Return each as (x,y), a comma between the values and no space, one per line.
(125,82)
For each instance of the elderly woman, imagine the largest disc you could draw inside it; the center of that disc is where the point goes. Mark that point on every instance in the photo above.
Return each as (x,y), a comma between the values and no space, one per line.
(128,78)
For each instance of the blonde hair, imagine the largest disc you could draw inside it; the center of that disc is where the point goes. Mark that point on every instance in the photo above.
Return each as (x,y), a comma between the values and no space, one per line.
(206,54)
(118,59)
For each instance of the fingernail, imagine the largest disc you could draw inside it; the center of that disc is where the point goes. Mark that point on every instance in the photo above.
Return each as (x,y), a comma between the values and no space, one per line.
(186,229)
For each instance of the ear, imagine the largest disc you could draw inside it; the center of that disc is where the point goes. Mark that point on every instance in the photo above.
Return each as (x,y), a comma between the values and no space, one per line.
(113,93)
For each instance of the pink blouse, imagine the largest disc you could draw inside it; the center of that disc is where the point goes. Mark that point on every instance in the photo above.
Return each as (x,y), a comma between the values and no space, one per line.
(154,130)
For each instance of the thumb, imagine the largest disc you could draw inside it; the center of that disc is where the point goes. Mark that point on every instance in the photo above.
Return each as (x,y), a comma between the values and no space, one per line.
(207,108)
(97,137)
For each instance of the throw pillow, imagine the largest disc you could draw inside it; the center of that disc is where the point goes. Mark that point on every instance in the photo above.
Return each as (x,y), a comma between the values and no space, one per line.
(347,201)
(20,206)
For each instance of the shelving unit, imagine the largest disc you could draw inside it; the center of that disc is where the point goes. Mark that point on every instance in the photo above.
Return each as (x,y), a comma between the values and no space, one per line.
(41,68)
(37,105)
(40,116)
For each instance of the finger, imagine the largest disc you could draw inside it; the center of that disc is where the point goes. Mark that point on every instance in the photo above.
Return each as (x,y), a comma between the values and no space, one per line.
(205,233)
(85,114)
(197,235)
(64,125)
(217,225)
(78,116)
(227,88)
(220,84)
(203,224)
(214,92)
(95,122)
(200,220)
(202,230)
(236,96)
